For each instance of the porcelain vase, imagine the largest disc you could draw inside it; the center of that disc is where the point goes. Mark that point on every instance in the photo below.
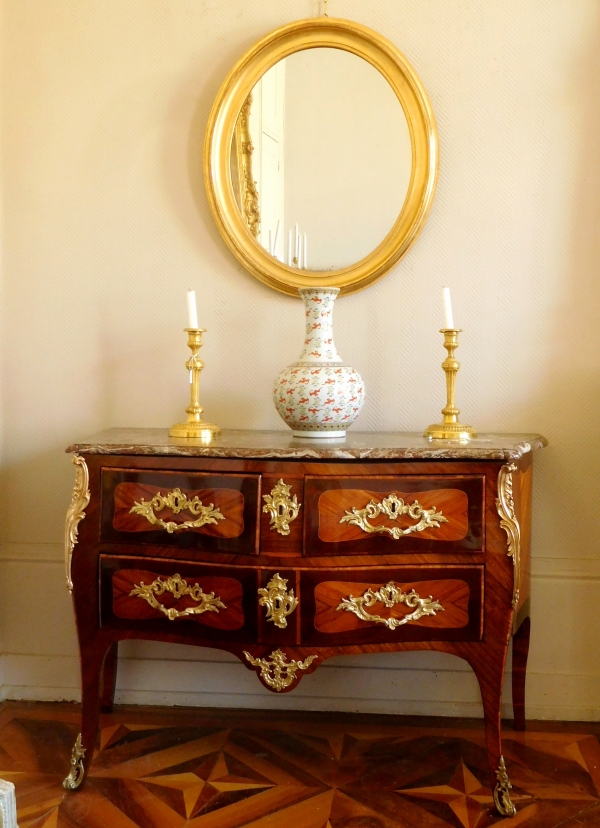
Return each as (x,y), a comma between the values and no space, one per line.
(319,396)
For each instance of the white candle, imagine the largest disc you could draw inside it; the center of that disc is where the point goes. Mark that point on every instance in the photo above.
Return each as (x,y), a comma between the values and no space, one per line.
(276,242)
(296,242)
(448,319)
(192,312)
(290,250)
(304,257)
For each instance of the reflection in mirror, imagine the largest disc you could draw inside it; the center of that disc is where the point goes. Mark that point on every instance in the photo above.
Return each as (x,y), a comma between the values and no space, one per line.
(321,159)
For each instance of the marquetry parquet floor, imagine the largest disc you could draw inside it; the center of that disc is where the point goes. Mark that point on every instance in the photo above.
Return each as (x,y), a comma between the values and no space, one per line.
(158,768)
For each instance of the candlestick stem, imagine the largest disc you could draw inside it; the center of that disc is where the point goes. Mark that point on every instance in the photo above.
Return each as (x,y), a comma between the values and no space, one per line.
(450,428)
(195,425)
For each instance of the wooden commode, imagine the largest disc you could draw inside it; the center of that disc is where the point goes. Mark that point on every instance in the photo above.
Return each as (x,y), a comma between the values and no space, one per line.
(286,552)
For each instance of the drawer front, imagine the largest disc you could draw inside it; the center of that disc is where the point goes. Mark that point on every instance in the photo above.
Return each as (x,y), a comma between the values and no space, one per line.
(203,511)
(178,598)
(370,606)
(366,515)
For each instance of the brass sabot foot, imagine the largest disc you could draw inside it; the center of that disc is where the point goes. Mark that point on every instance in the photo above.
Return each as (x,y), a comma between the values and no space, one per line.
(76,774)
(502,800)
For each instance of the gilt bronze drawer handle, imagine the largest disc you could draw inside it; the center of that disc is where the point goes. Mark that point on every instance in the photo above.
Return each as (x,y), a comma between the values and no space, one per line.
(279,602)
(282,508)
(177,586)
(390,595)
(278,673)
(177,502)
(394,507)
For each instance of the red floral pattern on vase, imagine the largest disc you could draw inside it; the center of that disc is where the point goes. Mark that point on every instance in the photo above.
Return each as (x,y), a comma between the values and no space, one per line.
(319,396)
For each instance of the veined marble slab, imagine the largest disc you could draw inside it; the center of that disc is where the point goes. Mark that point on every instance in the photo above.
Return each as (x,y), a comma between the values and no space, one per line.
(363,445)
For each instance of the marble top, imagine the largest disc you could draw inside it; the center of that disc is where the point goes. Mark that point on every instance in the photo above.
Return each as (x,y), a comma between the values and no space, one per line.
(361,445)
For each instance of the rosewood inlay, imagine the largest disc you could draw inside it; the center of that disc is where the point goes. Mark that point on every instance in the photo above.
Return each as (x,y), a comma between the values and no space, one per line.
(228,590)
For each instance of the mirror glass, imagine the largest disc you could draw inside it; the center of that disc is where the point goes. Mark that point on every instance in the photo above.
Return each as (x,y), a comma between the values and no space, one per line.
(321,159)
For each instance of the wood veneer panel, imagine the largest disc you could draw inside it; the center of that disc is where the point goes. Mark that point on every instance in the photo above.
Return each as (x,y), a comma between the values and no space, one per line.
(328,498)
(335,506)
(452,594)
(229,502)
(227,590)
(236,586)
(236,495)
(323,625)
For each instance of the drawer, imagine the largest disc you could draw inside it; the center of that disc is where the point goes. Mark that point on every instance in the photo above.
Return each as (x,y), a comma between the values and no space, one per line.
(203,511)
(365,515)
(370,606)
(178,598)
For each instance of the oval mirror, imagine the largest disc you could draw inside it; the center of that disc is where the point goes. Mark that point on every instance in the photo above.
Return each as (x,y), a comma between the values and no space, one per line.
(321,156)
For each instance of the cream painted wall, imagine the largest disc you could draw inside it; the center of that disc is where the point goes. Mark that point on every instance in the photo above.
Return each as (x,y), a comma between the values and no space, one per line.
(105,224)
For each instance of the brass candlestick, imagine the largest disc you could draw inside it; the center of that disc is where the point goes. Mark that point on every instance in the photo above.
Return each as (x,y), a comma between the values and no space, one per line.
(450,429)
(195,426)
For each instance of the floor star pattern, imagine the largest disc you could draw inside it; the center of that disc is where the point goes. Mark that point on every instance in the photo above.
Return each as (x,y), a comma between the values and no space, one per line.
(158,768)
(464,794)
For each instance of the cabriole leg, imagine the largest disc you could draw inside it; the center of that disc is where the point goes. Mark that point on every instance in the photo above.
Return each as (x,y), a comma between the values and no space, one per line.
(519,671)
(83,749)
(109,678)
(490,678)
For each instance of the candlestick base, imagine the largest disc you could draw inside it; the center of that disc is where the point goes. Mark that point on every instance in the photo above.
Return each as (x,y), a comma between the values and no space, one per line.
(450,431)
(201,430)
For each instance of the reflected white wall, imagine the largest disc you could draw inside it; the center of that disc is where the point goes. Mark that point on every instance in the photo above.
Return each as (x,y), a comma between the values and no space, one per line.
(348,155)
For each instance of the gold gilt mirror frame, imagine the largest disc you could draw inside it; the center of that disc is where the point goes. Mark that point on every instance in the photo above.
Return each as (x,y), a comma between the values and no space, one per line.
(224,119)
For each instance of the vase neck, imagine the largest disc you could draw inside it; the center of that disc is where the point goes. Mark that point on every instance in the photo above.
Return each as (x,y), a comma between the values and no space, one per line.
(318,342)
